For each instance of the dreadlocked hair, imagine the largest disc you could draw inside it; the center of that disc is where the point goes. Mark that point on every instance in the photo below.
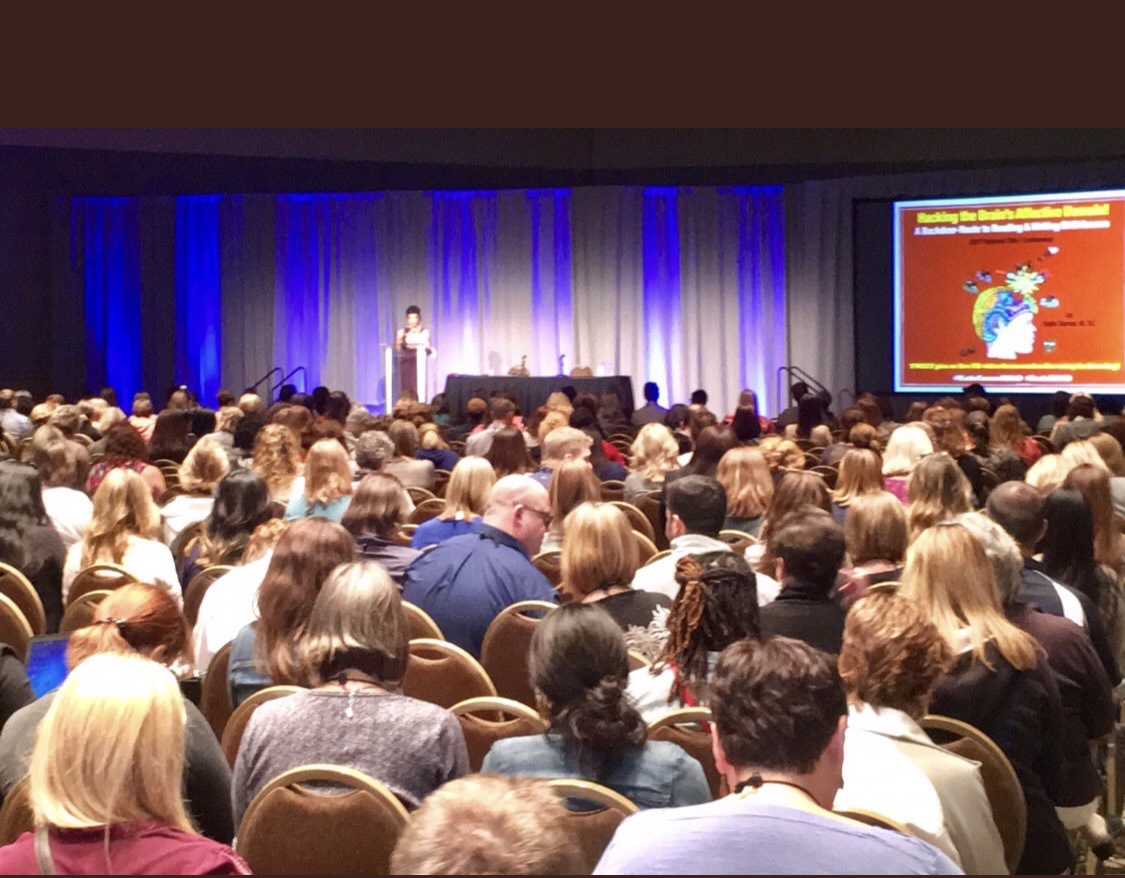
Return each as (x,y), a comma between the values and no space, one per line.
(717,605)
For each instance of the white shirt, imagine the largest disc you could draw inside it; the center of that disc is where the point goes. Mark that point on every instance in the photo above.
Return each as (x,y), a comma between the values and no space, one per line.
(892,767)
(660,576)
(70,512)
(148,560)
(182,511)
(230,604)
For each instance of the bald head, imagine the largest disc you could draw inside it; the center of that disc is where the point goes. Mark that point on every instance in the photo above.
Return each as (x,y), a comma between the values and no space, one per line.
(521,507)
(1018,508)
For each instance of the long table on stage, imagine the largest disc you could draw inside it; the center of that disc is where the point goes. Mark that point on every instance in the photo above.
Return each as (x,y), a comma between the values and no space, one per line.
(532,392)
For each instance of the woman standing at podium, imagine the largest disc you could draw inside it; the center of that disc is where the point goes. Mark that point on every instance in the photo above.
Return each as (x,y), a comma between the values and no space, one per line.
(408,340)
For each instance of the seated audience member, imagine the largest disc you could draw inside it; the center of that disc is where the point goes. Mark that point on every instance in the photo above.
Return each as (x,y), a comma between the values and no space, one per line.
(875,536)
(372,451)
(745,476)
(572,483)
(1084,689)
(890,661)
(508,453)
(200,472)
(232,600)
(13,422)
(490,825)
(1059,401)
(599,559)
(860,474)
(1093,483)
(15,688)
(405,466)
(1109,449)
(475,410)
(1008,432)
(353,654)
(28,542)
(251,404)
(242,502)
(938,491)
(226,422)
(835,451)
(501,414)
(125,449)
(678,420)
(782,455)
(907,445)
(611,419)
(379,507)
(262,651)
(464,582)
(710,446)
(466,496)
(1082,421)
(947,425)
(651,457)
(432,447)
(328,484)
(1048,473)
(999,681)
(604,457)
(560,444)
(68,508)
(136,619)
(114,809)
(579,666)
(809,547)
(1021,510)
(276,458)
(122,532)
(298,419)
(793,490)
(778,737)
(651,412)
(172,436)
(717,605)
(143,420)
(696,510)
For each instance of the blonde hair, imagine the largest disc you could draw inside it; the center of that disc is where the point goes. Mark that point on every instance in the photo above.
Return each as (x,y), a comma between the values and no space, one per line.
(599,550)
(745,476)
(820,436)
(938,490)
(1081,452)
(132,769)
(782,454)
(552,421)
(1006,429)
(875,528)
(327,475)
(908,445)
(123,507)
(110,417)
(1110,451)
(227,419)
(357,622)
(277,456)
(430,437)
(470,483)
(949,575)
(562,443)
(860,473)
(1048,472)
(560,402)
(653,453)
(204,467)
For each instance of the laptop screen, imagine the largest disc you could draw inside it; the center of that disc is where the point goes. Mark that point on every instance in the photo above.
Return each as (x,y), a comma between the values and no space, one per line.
(46,662)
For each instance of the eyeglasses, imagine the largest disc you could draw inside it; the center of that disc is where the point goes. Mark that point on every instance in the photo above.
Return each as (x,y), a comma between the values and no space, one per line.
(545,517)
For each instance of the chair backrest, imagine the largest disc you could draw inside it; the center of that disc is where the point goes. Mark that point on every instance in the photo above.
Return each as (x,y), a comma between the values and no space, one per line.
(197,588)
(487,720)
(593,829)
(441,481)
(170,470)
(99,577)
(504,650)
(684,727)
(549,563)
(646,548)
(442,673)
(427,509)
(419,494)
(1001,785)
(215,700)
(829,474)
(738,540)
(15,630)
(23,594)
(613,489)
(657,557)
(293,828)
(637,660)
(183,538)
(653,510)
(870,818)
(638,521)
(80,612)
(419,623)
(16,817)
(236,725)
(988,481)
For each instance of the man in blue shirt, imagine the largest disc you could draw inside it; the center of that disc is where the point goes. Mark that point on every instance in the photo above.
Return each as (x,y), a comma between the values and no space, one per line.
(464,582)
(778,739)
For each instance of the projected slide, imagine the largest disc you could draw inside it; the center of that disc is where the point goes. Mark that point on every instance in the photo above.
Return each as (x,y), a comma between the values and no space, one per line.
(1022,294)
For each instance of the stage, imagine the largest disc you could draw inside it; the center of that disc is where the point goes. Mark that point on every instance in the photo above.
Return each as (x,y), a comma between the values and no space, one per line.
(532,392)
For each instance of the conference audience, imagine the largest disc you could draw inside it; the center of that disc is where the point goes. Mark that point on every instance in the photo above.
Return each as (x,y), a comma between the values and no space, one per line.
(68,509)
(891,659)
(745,476)
(464,582)
(711,444)
(466,496)
(651,457)
(938,491)
(795,489)
(353,654)
(1093,483)
(378,508)
(28,541)
(875,536)
(501,414)
(171,436)
(560,444)
(276,458)
(572,483)
(328,488)
(778,739)
(651,412)
(125,449)
(404,465)
(201,471)
(433,448)
(906,446)
(508,453)
(1008,432)
(241,503)
(262,653)
(122,531)
(860,473)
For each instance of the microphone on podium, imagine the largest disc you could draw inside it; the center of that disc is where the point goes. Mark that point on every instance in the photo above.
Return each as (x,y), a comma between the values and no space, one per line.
(562,371)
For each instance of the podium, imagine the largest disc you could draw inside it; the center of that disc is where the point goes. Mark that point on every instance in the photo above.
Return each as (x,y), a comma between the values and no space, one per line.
(405,370)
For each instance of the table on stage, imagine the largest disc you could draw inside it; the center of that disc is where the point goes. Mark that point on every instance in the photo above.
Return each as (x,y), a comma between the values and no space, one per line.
(532,392)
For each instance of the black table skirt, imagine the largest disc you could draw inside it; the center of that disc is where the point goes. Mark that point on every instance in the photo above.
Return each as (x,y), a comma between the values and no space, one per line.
(532,392)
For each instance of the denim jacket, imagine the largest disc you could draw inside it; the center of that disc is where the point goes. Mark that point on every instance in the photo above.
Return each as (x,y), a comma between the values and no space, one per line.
(244,678)
(657,775)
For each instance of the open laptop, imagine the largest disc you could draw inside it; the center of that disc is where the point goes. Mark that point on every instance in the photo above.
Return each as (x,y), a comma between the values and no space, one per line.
(46,662)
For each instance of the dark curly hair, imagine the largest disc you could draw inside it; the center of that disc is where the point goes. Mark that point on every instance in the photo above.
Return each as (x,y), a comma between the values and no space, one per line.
(579,665)
(122,442)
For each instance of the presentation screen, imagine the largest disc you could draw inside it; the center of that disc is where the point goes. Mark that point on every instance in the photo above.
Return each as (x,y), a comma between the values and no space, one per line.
(1021,294)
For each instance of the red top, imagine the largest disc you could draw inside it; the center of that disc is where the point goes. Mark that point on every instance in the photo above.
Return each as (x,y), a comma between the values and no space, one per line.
(146,847)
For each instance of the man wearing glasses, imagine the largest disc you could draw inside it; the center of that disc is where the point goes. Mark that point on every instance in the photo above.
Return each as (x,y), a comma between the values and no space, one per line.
(463,583)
